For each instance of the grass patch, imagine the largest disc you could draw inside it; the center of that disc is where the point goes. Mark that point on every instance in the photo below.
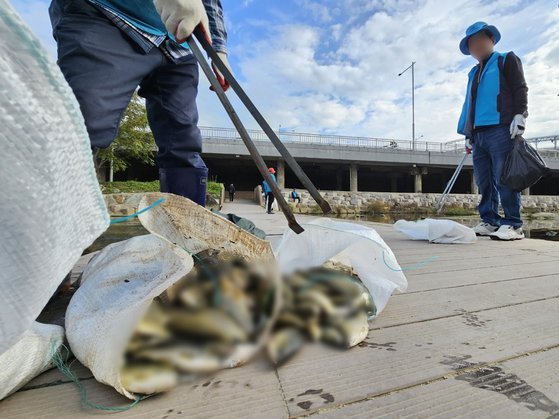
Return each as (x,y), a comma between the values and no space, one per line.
(377,207)
(214,188)
(134,186)
(455,210)
(130,186)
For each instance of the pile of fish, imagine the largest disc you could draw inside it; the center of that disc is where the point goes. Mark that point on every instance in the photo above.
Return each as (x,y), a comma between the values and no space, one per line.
(220,309)
(328,304)
(225,305)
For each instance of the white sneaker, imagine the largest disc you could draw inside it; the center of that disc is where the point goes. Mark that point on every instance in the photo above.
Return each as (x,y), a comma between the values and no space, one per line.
(484,229)
(507,232)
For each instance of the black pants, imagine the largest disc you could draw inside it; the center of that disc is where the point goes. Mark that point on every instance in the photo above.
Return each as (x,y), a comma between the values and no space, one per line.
(231,196)
(270,198)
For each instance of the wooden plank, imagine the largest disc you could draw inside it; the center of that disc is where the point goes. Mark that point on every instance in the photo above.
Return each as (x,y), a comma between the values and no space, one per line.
(470,262)
(525,387)
(416,307)
(403,356)
(252,390)
(422,281)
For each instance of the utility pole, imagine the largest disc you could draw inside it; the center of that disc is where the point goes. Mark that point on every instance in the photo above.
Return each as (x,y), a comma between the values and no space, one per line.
(412,66)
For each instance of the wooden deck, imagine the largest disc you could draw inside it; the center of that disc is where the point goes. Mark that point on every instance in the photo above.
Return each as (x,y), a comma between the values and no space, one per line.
(475,335)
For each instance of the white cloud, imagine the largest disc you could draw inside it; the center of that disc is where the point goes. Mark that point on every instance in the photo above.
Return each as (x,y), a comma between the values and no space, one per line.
(353,88)
(333,66)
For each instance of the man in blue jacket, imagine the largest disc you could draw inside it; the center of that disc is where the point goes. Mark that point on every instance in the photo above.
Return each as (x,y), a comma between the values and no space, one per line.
(268,194)
(494,113)
(107,48)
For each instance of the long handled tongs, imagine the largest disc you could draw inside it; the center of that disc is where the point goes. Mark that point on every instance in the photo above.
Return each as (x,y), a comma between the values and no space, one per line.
(450,184)
(256,157)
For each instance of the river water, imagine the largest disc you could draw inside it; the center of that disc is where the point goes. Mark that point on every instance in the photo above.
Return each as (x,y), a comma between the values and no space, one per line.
(546,228)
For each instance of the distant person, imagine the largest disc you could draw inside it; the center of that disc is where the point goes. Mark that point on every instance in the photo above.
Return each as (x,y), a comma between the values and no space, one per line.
(295,196)
(268,191)
(493,115)
(231,192)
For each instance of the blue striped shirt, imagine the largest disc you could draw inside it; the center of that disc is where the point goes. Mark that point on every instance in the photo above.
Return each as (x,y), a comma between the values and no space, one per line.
(174,51)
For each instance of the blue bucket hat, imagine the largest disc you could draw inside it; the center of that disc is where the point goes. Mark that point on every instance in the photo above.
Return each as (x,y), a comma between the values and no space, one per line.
(475,28)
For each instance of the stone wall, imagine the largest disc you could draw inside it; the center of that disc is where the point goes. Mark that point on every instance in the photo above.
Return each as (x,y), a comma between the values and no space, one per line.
(384,201)
(122,204)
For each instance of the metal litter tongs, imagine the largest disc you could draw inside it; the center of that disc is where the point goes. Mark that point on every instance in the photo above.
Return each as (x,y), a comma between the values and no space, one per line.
(450,184)
(256,157)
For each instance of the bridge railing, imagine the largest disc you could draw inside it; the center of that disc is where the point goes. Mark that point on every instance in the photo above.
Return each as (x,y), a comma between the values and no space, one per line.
(323,139)
(547,145)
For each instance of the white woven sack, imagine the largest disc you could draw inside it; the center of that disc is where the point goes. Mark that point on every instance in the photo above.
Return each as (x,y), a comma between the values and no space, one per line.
(51,206)
(29,356)
(118,285)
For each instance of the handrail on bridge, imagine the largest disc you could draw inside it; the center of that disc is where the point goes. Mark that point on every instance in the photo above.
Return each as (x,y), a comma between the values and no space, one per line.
(452,146)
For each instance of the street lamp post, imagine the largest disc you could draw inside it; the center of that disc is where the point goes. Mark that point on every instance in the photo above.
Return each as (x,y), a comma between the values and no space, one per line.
(412,66)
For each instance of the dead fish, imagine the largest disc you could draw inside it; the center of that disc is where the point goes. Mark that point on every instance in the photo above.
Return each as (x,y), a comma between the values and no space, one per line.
(154,323)
(354,329)
(170,294)
(148,378)
(186,358)
(288,318)
(347,306)
(139,341)
(284,344)
(345,286)
(194,297)
(314,330)
(238,276)
(307,309)
(209,323)
(333,336)
(364,302)
(236,302)
(288,297)
(319,299)
(297,280)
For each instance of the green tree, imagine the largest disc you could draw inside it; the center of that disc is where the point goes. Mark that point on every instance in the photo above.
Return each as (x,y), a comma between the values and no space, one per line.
(134,141)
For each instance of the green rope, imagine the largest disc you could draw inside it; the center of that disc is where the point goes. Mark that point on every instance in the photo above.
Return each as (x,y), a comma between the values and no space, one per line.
(128,217)
(60,360)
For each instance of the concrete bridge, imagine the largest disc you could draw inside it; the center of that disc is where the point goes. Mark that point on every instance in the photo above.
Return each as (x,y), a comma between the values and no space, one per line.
(357,163)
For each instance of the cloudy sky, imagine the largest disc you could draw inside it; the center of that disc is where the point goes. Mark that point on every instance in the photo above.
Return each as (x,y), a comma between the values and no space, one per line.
(332,66)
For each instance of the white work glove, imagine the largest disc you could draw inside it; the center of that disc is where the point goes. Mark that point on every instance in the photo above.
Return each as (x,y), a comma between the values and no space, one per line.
(181,17)
(220,78)
(517,126)
(468,146)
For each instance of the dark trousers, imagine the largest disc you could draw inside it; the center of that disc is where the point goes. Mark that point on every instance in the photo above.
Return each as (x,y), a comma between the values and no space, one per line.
(490,149)
(231,196)
(103,66)
(270,200)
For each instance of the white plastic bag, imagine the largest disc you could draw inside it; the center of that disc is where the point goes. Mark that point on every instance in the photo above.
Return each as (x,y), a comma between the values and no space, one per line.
(436,231)
(354,245)
(29,356)
(117,287)
(51,206)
